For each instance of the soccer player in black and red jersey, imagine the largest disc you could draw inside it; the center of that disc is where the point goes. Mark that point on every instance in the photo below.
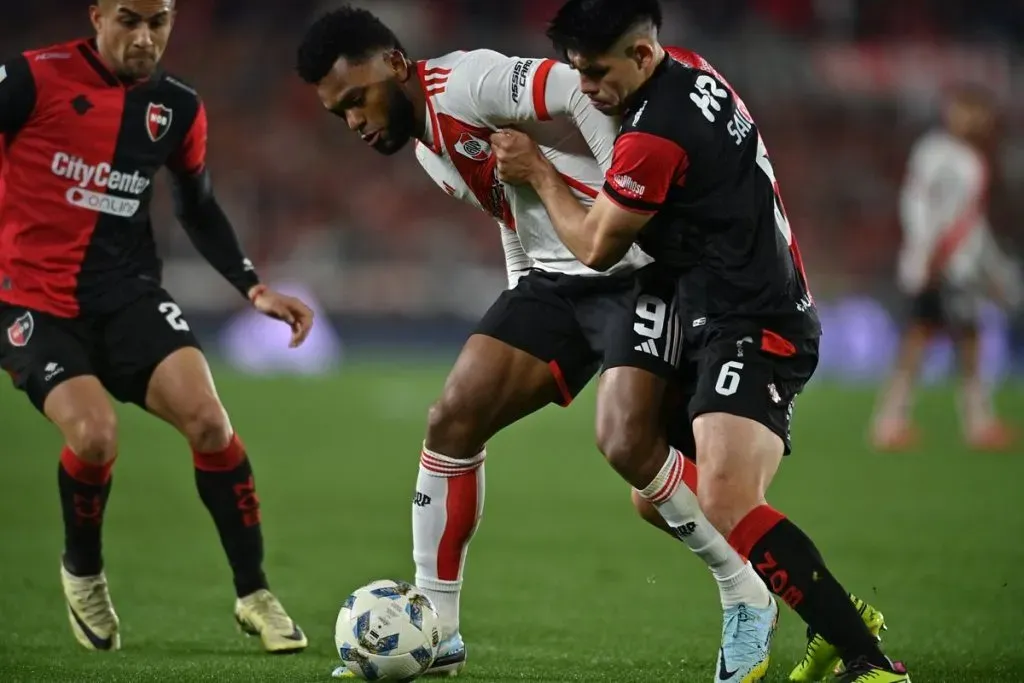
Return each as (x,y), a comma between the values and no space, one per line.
(85,127)
(692,183)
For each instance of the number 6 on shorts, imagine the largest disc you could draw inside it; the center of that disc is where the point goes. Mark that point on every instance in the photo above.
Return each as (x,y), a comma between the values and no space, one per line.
(729,378)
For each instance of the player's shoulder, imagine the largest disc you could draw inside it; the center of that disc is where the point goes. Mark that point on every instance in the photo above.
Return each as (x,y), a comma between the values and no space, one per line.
(177,89)
(173,94)
(938,149)
(672,103)
(53,60)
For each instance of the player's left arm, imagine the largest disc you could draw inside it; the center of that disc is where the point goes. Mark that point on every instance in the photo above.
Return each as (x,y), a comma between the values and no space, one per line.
(210,230)
(644,167)
(17,95)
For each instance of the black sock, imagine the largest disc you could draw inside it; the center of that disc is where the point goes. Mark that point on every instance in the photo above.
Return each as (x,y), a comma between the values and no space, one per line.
(84,490)
(227,488)
(789,563)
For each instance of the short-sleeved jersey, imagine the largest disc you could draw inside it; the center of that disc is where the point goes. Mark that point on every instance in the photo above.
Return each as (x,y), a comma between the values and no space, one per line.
(943,213)
(689,154)
(472,94)
(80,149)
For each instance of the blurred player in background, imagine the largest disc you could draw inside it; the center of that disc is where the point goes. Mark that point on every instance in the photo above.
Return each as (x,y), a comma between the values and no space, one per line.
(948,266)
(559,321)
(692,183)
(86,125)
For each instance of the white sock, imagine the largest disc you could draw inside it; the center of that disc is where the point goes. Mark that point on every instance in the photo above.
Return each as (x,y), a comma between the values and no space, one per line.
(445,512)
(975,403)
(895,403)
(672,495)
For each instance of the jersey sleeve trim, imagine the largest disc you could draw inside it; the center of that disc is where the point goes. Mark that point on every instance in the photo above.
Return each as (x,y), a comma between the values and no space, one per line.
(628,203)
(644,169)
(540,85)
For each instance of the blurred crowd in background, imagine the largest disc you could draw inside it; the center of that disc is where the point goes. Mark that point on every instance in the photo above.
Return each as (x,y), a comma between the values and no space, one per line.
(840,89)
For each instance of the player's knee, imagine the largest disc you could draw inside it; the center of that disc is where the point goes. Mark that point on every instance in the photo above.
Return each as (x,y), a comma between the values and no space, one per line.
(93,437)
(725,497)
(626,442)
(454,425)
(206,426)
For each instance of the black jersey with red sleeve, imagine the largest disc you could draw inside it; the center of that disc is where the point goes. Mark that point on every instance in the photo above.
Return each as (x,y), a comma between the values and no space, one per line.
(80,151)
(690,154)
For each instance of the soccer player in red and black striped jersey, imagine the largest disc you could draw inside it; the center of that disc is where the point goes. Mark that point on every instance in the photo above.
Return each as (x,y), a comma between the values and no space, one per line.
(692,183)
(85,127)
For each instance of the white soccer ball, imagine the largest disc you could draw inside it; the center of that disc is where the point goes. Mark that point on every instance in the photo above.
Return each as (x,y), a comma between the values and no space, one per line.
(387,631)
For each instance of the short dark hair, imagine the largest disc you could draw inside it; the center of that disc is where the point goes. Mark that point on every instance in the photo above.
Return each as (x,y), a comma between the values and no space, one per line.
(347,32)
(594,26)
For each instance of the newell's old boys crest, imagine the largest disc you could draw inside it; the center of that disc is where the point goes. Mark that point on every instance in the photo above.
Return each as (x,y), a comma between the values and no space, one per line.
(20,330)
(158,120)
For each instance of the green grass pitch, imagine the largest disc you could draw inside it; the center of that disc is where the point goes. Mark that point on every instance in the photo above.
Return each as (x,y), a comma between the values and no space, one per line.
(563,583)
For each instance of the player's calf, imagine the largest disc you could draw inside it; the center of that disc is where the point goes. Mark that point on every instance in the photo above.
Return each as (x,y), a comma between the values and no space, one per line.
(739,456)
(492,384)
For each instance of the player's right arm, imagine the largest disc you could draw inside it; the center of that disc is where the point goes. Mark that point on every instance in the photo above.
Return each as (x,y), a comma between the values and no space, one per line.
(505,91)
(17,95)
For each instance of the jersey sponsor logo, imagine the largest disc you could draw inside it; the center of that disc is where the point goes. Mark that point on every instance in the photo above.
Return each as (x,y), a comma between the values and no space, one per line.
(472,147)
(102,203)
(104,179)
(519,75)
(21,329)
(639,113)
(100,175)
(627,186)
(158,120)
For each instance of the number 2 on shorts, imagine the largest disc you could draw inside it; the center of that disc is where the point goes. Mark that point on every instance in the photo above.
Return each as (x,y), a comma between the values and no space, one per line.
(729,378)
(172,313)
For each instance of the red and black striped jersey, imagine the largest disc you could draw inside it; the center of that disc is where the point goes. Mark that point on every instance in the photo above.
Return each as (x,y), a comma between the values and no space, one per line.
(690,154)
(80,151)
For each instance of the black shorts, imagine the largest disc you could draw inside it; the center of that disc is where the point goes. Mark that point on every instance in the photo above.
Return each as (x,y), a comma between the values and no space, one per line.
(946,307)
(121,349)
(576,324)
(750,371)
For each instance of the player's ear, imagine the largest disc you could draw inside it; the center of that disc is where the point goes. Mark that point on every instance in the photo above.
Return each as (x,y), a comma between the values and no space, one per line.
(643,53)
(95,14)
(398,64)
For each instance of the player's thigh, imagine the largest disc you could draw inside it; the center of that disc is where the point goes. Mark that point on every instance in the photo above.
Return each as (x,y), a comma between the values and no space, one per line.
(525,353)
(49,360)
(138,339)
(643,358)
(741,410)
(537,318)
(181,392)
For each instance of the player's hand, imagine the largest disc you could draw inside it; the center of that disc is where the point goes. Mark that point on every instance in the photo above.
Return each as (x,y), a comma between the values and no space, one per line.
(285,308)
(519,159)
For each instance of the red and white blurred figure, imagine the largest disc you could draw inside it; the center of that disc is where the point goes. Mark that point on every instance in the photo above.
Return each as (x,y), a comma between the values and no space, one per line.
(949,265)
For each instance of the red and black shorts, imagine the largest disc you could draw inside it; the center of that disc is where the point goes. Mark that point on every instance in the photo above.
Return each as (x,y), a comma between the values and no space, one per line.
(121,349)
